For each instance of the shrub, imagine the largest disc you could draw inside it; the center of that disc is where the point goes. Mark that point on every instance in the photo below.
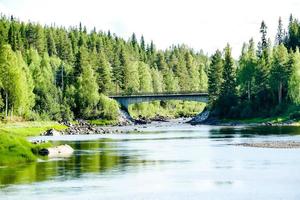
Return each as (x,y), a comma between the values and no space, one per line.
(295,115)
(108,108)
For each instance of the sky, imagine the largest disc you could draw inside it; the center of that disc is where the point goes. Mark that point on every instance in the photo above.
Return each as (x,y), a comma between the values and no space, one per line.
(200,24)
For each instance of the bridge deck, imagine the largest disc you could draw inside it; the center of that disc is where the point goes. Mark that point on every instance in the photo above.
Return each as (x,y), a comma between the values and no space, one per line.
(126,100)
(156,95)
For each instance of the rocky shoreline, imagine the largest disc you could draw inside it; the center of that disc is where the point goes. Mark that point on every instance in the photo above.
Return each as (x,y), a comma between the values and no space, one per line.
(273,144)
(82,127)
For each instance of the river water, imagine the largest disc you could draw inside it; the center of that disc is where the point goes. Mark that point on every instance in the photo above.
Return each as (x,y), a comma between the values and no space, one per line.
(173,161)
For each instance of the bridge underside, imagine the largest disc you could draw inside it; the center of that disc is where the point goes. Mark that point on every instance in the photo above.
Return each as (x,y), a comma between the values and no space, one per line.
(125,101)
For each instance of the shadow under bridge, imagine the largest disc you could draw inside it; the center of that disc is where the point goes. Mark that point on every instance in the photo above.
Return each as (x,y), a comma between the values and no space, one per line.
(126,99)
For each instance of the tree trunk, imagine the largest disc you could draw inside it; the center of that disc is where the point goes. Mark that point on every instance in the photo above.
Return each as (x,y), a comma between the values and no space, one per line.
(12,112)
(62,78)
(249,94)
(6,104)
(280,93)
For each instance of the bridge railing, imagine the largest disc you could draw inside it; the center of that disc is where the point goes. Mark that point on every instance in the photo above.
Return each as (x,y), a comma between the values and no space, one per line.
(156,93)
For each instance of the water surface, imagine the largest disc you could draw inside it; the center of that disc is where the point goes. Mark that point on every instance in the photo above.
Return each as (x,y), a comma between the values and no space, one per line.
(167,162)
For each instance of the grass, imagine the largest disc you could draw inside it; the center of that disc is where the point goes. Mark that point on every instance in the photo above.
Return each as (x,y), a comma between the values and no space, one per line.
(26,129)
(16,149)
(102,122)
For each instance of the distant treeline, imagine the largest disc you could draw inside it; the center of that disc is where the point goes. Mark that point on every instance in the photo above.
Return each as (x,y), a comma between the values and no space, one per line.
(264,82)
(51,72)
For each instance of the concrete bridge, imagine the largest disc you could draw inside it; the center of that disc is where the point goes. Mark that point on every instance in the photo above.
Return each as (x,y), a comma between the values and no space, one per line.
(126,100)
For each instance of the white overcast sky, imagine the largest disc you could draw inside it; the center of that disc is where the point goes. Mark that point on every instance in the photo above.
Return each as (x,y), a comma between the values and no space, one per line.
(201,24)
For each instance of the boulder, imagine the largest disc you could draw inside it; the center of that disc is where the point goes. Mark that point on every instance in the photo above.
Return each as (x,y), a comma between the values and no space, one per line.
(58,151)
(51,132)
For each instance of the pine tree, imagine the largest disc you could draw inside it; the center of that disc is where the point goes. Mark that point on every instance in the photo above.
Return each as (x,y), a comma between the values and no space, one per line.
(280,33)
(133,40)
(279,73)
(131,78)
(246,71)
(104,75)
(157,81)
(81,61)
(12,35)
(182,73)
(194,76)
(145,79)
(228,94)
(40,40)
(51,43)
(215,77)
(294,80)
(203,79)
(47,98)
(170,81)
(263,31)
(262,71)
(143,45)
(119,70)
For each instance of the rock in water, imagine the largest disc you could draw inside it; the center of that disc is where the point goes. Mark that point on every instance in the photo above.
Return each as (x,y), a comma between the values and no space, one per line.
(60,151)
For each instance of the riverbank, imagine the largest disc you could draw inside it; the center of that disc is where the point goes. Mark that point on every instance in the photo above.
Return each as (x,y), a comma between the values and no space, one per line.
(286,119)
(275,144)
(30,128)
(15,148)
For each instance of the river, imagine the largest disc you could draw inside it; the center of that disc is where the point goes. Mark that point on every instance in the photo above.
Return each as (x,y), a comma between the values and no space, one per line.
(175,161)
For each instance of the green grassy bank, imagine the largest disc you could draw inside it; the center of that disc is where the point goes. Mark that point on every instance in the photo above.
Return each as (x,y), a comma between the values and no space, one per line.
(32,128)
(15,148)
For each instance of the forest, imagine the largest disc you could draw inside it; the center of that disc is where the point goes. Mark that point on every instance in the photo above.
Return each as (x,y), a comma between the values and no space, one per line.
(54,73)
(263,82)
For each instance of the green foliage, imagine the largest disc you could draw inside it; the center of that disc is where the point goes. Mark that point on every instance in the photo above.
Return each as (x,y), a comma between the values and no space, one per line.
(280,71)
(295,115)
(87,92)
(145,78)
(157,81)
(64,70)
(14,83)
(169,109)
(268,81)
(246,70)
(294,81)
(108,108)
(215,77)
(227,100)
(131,76)
(104,72)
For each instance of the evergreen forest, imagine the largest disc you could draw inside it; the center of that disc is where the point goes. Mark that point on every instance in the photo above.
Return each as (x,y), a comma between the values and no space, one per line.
(54,73)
